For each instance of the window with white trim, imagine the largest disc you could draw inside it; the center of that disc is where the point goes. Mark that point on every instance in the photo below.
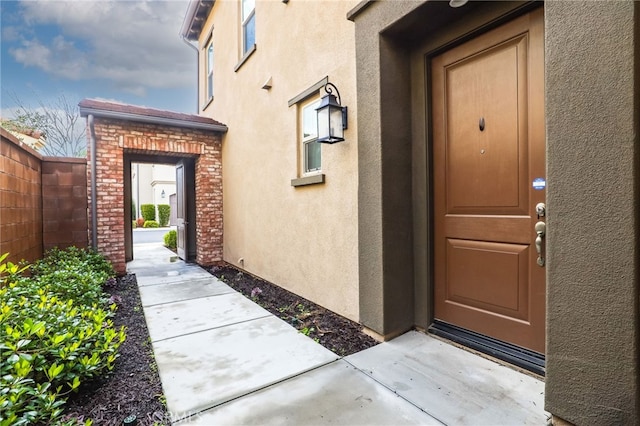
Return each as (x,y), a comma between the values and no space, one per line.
(248,25)
(209,82)
(310,149)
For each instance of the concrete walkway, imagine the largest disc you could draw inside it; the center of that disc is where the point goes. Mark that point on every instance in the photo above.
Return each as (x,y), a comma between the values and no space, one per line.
(223,360)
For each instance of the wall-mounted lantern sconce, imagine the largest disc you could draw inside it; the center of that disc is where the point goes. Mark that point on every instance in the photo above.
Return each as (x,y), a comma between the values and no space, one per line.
(332,117)
(162,194)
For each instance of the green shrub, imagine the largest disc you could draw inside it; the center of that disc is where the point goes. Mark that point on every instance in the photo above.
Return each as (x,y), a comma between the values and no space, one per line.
(171,239)
(50,343)
(133,209)
(164,212)
(134,224)
(85,268)
(148,211)
(150,224)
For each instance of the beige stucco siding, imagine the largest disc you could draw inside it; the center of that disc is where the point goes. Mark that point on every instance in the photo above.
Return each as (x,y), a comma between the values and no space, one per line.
(303,239)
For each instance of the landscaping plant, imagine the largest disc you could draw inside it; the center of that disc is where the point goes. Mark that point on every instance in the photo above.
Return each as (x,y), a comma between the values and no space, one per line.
(164,212)
(171,239)
(150,224)
(148,211)
(56,333)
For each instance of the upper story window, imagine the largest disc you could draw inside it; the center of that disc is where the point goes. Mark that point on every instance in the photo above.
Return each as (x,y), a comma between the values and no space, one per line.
(310,149)
(248,25)
(209,71)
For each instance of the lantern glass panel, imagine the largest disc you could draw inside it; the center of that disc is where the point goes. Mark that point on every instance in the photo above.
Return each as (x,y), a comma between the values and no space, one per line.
(336,122)
(323,123)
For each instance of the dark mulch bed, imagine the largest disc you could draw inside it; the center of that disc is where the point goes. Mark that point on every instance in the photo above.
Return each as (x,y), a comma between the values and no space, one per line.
(334,332)
(133,387)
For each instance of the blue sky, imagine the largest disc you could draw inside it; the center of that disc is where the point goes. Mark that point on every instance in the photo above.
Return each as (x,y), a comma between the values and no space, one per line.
(119,50)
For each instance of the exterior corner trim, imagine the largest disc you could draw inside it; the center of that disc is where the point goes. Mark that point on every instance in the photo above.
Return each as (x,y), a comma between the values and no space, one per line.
(353,13)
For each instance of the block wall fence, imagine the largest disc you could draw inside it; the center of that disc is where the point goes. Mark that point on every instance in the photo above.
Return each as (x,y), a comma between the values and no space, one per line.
(43,201)
(117,137)
(64,202)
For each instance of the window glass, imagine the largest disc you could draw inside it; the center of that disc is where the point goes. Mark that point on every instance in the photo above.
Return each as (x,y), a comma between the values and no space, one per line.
(310,121)
(250,33)
(210,71)
(312,156)
(247,8)
(248,24)
(311,149)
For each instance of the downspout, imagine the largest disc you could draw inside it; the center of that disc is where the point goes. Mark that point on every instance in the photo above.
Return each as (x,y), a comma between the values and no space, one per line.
(94,201)
(184,39)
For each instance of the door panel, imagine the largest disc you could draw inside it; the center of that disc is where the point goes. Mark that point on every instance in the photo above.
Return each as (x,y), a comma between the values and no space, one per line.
(488,145)
(181,211)
(483,166)
(498,271)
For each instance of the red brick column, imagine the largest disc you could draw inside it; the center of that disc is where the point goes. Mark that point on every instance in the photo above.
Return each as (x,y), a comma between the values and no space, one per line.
(209,204)
(110,192)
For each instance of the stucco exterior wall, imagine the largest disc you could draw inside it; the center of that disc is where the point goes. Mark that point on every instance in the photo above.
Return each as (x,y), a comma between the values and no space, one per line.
(593,143)
(304,239)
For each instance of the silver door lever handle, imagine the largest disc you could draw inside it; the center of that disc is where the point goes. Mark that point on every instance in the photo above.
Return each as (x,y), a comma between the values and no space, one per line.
(541,228)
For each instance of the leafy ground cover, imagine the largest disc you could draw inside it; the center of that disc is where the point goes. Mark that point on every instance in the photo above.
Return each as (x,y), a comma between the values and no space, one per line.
(56,333)
(133,387)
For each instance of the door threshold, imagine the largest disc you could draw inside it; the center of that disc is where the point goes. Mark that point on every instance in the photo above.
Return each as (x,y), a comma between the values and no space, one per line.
(516,355)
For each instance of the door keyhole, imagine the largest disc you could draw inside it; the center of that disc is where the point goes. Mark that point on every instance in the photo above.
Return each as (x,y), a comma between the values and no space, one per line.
(481,124)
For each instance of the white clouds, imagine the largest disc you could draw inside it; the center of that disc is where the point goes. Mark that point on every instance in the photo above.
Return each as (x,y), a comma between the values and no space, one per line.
(10,34)
(60,58)
(133,44)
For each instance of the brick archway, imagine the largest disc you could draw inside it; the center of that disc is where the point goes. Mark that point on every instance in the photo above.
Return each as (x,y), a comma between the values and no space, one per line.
(116,130)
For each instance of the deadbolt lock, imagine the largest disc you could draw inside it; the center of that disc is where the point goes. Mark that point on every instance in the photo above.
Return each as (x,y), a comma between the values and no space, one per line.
(541,210)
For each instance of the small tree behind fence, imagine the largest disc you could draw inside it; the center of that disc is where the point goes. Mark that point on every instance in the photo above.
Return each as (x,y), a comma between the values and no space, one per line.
(164,212)
(148,211)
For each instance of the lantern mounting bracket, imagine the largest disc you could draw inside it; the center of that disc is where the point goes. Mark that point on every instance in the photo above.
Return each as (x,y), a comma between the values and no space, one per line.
(329,88)
(332,116)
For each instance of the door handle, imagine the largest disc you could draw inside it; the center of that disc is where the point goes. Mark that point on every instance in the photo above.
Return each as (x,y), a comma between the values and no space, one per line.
(540,228)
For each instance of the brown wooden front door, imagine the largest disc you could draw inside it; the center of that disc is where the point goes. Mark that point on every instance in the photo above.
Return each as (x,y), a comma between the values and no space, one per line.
(489,175)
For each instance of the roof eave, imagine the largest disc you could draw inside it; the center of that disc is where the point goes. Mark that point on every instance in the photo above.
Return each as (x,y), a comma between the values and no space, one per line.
(197,11)
(96,112)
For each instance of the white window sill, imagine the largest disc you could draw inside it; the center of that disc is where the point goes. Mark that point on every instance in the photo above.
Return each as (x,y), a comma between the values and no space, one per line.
(245,57)
(206,104)
(308,180)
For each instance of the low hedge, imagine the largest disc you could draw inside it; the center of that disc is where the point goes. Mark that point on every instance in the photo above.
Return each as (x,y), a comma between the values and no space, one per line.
(171,239)
(148,211)
(56,333)
(150,224)
(164,213)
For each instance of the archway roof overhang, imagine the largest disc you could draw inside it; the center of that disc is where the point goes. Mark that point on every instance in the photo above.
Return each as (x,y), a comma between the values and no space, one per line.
(140,114)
